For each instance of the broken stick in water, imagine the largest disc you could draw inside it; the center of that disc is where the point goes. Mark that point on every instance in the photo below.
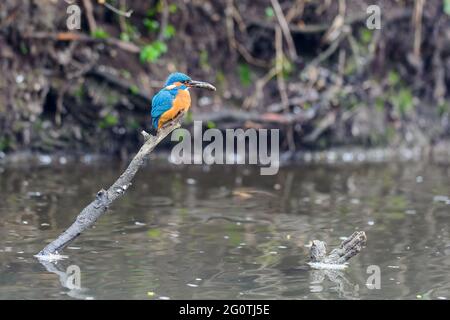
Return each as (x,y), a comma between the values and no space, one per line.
(339,256)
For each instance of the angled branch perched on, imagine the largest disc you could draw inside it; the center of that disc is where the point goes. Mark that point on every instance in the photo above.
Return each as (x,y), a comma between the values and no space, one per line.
(105,198)
(168,107)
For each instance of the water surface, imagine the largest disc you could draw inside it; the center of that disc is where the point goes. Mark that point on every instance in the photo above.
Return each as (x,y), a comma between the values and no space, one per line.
(226,232)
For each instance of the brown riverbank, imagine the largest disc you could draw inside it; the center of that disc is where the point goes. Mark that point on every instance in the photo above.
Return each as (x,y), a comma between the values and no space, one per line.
(89,90)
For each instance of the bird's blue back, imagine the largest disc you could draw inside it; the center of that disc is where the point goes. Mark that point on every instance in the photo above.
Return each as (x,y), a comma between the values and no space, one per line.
(161,102)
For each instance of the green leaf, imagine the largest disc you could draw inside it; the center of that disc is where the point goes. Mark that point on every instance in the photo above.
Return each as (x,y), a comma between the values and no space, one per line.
(244,74)
(269,12)
(169,32)
(288,68)
(403,100)
(99,33)
(379,104)
(366,36)
(160,46)
(151,12)
(159,7)
(152,51)
(151,25)
(131,31)
(211,124)
(173,8)
(23,48)
(204,60)
(447,7)
(132,124)
(189,117)
(108,121)
(125,73)
(149,54)
(79,92)
(125,37)
(443,108)
(134,89)
(220,77)
(393,78)
(4,143)
(154,233)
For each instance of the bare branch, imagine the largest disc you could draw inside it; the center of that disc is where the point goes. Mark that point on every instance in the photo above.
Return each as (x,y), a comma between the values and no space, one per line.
(117,11)
(105,198)
(285,28)
(164,19)
(279,62)
(417,23)
(90,15)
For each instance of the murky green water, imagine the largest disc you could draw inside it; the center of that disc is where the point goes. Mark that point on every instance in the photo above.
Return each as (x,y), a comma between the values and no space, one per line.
(226,232)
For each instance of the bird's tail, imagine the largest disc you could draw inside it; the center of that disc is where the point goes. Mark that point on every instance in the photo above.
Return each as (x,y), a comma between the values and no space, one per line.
(153,127)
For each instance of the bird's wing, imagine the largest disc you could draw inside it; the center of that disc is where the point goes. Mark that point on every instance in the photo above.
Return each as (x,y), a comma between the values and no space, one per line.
(161,102)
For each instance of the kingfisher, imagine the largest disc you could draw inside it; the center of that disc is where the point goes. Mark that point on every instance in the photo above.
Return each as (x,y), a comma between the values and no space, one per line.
(174,98)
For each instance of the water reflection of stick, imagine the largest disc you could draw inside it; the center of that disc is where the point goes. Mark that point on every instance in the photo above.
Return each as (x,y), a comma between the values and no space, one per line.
(105,198)
(343,286)
(65,279)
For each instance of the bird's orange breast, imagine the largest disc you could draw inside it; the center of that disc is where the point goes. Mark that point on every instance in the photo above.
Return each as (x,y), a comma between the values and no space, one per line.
(182,102)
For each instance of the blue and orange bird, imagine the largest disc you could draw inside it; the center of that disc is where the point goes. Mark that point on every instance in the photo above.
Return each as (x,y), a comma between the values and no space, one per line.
(174,98)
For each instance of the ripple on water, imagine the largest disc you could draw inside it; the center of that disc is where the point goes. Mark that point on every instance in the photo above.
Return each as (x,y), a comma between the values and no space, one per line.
(232,234)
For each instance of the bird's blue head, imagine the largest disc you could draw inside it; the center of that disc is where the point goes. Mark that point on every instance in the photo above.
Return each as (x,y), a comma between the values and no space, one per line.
(178,79)
(175,77)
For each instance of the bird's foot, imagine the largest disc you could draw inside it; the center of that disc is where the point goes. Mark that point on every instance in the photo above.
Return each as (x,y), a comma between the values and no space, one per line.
(153,131)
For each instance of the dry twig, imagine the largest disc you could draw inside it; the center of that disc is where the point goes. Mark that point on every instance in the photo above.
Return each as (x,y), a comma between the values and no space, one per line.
(90,15)
(75,36)
(417,22)
(285,28)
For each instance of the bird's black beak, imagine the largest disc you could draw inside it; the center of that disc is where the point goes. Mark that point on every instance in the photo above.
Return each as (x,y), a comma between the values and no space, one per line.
(201,84)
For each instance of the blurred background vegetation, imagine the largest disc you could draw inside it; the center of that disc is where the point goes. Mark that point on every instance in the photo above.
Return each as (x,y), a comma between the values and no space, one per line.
(309,67)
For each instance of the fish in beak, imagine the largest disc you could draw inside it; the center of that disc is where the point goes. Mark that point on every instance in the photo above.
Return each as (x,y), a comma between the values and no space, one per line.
(201,84)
